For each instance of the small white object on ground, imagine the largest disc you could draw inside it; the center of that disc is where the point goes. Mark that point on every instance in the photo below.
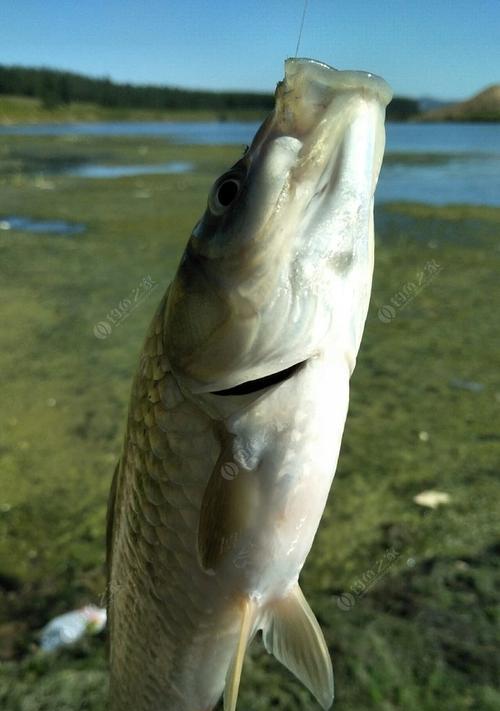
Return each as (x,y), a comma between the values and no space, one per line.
(470,385)
(432,499)
(66,629)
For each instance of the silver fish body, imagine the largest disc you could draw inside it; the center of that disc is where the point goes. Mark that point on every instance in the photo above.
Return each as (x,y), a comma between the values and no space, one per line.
(239,404)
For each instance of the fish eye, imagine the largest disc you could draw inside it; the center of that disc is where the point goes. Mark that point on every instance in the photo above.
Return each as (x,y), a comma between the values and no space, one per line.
(224,193)
(227,192)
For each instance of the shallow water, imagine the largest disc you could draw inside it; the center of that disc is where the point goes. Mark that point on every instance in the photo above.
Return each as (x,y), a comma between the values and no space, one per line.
(474,180)
(93,170)
(53,227)
(193,132)
(470,173)
(418,137)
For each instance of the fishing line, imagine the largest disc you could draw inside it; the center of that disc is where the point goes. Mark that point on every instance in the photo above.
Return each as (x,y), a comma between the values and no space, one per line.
(306,2)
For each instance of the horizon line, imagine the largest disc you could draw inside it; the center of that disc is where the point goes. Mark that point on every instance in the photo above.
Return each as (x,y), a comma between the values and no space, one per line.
(109,77)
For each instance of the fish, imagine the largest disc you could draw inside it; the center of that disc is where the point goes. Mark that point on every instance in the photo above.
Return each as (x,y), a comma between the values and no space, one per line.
(239,403)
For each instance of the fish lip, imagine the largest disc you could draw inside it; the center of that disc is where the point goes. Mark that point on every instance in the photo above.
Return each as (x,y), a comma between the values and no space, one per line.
(324,74)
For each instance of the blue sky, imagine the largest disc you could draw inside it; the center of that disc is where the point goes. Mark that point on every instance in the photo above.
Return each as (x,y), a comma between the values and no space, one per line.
(441,48)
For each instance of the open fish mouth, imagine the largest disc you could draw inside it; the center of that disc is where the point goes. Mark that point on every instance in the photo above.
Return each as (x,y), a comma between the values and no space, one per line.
(313,93)
(335,121)
(319,73)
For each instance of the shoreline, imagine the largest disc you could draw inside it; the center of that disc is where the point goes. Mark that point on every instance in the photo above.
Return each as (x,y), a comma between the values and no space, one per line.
(20,111)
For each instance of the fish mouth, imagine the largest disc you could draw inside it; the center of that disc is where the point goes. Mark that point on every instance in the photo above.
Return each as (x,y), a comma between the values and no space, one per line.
(310,87)
(332,115)
(249,387)
(318,77)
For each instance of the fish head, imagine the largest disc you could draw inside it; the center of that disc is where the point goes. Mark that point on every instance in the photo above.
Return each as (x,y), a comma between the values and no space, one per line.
(279,267)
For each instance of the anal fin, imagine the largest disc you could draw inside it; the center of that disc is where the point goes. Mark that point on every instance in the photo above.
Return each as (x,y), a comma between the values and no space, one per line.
(292,634)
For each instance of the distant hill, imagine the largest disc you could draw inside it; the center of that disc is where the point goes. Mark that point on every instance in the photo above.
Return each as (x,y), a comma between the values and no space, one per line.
(428,103)
(484,106)
(61,93)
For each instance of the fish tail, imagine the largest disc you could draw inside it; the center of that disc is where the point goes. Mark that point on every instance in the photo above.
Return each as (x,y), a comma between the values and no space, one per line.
(292,634)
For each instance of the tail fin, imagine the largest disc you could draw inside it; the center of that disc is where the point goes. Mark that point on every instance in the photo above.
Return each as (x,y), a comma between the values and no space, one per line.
(234,672)
(293,635)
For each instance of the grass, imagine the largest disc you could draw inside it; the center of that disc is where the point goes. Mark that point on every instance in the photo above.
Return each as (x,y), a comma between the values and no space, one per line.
(407,596)
(22,109)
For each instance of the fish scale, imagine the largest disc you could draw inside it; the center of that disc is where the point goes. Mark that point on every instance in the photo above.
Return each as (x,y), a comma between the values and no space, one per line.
(156,527)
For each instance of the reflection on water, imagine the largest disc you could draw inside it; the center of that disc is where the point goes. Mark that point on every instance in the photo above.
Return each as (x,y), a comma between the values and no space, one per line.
(53,227)
(434,163)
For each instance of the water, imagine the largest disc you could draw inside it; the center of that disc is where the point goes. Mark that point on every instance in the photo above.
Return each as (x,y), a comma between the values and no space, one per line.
(468,173)
(444,137)
(91,170)
(474,180)
(403,137)
(194,132)
(471,173)
(52,227)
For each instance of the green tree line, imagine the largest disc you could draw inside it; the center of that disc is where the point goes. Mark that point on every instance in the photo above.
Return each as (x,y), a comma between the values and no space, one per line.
(53,88)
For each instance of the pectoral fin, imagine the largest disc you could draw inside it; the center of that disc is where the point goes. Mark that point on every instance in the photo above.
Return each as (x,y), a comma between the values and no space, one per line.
(292,634)
(225,507)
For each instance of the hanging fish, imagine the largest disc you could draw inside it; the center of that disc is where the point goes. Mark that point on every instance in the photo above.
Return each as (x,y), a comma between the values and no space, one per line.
(239,404)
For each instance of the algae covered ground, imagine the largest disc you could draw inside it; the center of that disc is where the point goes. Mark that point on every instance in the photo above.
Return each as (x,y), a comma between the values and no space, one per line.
(407,595)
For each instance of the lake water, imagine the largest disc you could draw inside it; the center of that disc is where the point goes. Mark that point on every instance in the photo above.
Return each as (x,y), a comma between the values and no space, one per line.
(92,170)
(468,172)
(50,227)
